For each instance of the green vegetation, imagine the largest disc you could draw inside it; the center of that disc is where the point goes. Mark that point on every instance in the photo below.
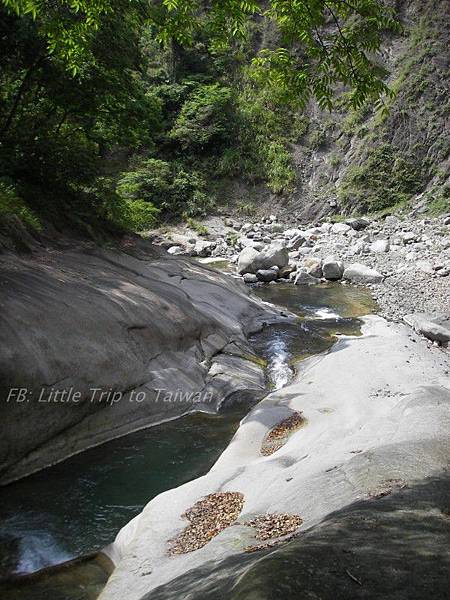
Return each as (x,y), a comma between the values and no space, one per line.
(117,113)
(385,178)
(196,226)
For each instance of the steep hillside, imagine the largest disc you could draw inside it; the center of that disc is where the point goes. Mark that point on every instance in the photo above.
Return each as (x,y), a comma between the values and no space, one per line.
(361,160)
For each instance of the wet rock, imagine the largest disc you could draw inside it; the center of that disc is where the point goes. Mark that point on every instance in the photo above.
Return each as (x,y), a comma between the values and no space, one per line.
(250,278)
(266,275)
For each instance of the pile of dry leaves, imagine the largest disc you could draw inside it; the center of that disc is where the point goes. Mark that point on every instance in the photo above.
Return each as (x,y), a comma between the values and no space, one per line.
(278,436)
(208,517)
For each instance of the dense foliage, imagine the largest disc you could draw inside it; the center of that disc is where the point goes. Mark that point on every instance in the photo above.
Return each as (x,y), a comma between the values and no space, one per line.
(125,111)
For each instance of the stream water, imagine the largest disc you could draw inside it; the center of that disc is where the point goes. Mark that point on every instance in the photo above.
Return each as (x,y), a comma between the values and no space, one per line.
(77,507)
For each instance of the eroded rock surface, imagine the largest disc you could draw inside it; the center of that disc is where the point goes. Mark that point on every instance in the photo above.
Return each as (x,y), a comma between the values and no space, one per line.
(149,328)
(366,474)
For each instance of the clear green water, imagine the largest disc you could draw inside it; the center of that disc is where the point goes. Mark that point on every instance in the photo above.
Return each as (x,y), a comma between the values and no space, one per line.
(78,506)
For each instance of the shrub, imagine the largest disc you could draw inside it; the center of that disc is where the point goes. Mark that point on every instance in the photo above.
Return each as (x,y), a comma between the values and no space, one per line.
(149,182)
(169,187)
(386,178)
(204,118)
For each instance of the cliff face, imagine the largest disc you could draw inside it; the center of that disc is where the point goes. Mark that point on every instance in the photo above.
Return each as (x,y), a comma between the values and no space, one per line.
(366,161)
(92,322)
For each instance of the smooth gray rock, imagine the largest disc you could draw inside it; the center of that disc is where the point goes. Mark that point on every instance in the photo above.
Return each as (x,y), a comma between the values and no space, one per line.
(276,254)
(364,473)
(91,319)
(266,275)
(332,268)
(433,326)
(303,278)
(358,273)
(250,278)
(249,261)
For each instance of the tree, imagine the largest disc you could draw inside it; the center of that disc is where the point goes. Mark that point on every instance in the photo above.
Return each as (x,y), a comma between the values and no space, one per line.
(324,42)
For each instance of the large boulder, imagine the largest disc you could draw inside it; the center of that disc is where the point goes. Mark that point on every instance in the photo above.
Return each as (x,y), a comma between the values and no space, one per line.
(358,273)
(313,266)
(303,278)
(340,228)
(274,255)
(249,260)
(332,268)
(358,224)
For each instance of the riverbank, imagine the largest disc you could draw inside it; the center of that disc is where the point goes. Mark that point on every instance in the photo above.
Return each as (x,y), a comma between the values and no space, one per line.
(364,438)
(99,342)
(405,261)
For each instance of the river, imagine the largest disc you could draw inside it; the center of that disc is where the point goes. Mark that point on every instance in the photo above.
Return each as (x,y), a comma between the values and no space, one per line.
(76,507)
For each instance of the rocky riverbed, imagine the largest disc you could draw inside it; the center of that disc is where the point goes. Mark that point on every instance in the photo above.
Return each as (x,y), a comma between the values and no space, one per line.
(404,261)
(367,468)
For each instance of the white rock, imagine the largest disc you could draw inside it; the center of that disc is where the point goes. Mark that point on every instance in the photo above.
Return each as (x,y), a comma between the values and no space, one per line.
(380,246)
(175,250)
(340,228)
(204,248)
(358,273)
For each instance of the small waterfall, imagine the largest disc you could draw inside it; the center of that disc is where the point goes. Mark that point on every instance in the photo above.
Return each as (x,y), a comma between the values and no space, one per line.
(326,313)
(279,370)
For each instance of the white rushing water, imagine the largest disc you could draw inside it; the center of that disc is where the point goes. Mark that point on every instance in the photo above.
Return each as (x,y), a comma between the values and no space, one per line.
(326,313)
(280,372)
